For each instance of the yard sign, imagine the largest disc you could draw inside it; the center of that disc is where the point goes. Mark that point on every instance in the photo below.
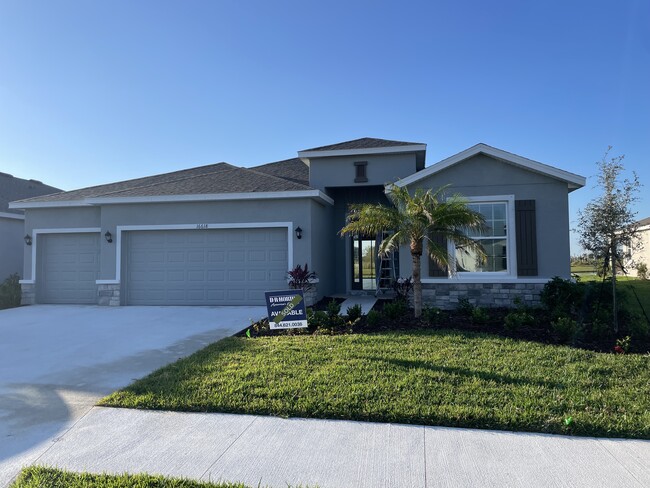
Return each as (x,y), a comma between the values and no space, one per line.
(286,309)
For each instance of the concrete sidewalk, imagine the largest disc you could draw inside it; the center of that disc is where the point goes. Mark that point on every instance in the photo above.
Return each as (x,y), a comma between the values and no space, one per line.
(275,452)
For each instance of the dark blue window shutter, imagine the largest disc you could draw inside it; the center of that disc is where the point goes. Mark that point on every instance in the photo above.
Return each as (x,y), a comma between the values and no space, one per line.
(526,232)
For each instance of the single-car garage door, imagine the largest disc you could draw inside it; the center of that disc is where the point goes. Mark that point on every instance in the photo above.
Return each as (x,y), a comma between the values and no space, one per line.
(69,267)
(204,267)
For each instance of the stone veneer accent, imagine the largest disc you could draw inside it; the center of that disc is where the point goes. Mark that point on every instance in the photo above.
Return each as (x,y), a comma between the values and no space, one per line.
(446,296)
(27,294)
(310,296)
(108,295)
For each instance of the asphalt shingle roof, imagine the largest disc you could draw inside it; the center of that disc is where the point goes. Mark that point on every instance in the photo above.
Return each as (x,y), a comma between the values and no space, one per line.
(363,143)
(645,221)
(12,188)
(214,178)
(289,169)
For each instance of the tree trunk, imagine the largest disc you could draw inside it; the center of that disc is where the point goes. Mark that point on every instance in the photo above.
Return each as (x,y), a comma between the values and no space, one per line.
(416,253)
(614,308)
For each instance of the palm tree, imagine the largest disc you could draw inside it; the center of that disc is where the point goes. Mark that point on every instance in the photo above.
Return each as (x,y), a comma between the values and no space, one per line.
(413,219)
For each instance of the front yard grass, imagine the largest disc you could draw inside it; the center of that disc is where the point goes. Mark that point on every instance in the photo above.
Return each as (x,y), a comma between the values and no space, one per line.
(44,477)
(431,377)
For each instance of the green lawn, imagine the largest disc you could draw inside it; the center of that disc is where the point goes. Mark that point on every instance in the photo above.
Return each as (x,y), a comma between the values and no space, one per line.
(630,286)
(433,377)
(43,477)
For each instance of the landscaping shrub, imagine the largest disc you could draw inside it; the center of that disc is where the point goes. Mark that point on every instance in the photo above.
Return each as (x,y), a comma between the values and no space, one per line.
(373,318)
(464,306)
(10,292)
(480,316)
(432,315)
(333,308)
(403,288)
(301,278)
(565,328)
(517,320)
(561,296)
(396,309)
(354,312)
(642,271)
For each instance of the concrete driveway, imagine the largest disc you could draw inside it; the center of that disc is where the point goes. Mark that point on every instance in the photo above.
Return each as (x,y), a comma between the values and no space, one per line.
(56,361)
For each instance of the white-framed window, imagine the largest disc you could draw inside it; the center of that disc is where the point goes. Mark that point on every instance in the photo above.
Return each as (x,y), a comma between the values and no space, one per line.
(497,239)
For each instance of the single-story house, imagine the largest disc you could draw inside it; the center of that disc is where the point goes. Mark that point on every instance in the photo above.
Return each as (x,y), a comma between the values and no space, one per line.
(12,228)
(222,234)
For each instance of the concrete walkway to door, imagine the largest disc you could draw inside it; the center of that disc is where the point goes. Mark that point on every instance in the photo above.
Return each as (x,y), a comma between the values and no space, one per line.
(56,361)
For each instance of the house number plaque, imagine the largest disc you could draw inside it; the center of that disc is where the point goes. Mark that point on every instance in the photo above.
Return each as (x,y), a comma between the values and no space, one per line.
(201,226)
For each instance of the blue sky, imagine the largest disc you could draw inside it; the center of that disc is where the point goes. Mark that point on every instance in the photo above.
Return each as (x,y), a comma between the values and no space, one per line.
(93,92)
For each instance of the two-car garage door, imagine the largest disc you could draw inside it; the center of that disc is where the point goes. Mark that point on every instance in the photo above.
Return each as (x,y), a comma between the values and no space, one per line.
(204,267)
(168,267)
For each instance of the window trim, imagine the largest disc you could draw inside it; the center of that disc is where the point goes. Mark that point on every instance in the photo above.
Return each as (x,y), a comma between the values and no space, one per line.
(511,247)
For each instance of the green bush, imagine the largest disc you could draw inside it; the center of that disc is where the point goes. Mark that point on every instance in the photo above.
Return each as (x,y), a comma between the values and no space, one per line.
(464,306)
(565,328)
(396,309)
(561,296)
(515,321)
(354,312)
(642,271)
(480,316)
(10,292)
(333,308)
(373,318)
(432,315)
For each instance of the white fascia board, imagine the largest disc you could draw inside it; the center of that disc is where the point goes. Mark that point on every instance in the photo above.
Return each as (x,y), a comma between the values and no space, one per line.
(7,215)
(67,203)
(209,197)
(360,152)
(574,181)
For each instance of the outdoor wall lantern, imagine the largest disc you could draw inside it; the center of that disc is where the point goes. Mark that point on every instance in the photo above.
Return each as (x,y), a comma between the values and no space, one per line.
(108,236)
(28,239)
(298,232)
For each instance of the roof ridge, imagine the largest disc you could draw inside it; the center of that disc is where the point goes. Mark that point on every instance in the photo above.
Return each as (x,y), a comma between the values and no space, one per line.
(278,177)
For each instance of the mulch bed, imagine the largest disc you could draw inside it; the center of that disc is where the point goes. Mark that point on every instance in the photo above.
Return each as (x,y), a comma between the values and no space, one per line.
(540,331)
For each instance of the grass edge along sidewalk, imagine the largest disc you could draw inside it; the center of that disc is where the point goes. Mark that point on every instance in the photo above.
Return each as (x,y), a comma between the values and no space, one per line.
(47,477)
(432,377)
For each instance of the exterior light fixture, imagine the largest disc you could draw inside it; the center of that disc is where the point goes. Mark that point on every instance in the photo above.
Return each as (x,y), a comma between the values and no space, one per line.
(28,239)
(108,236)
(298,232)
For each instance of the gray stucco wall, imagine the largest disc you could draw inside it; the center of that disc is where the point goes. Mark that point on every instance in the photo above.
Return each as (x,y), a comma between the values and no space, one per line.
(340,171)
(322,255)
(482,175)
(300,212)
(12,232)
(242,211)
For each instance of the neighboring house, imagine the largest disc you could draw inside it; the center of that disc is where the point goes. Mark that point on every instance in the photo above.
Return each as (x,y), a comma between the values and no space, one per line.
(12,228)
(641,255)
(222,235)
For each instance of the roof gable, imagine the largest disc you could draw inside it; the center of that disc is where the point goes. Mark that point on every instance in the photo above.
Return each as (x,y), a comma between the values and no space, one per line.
(573,180)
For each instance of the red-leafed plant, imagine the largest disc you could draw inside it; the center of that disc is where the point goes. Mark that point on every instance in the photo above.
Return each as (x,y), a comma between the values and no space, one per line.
(301,278)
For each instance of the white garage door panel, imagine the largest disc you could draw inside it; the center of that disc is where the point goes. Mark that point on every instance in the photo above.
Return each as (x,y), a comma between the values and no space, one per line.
(205,267)
(69,268)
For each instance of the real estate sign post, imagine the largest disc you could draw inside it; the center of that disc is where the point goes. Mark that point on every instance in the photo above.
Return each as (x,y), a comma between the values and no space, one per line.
(286,309)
